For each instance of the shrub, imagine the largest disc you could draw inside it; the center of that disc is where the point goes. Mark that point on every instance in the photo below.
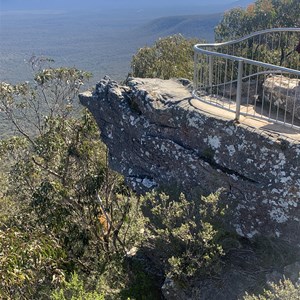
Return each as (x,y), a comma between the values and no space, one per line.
(74,290)
(284,290)
(169,57)
(185,235)
(31,262)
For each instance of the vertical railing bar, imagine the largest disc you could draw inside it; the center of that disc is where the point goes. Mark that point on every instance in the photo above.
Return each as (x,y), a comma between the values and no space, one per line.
(196,70)
(278,105)
(210,58)
(249,86)
(250,73)
(256,91)
(291,47)
(272,43)
(294,108)
(218,67)
(204,71)
(225,78)
(216,82)
(215,77)
(258,58)
(220,81)
(231,79)
(263,98)
(239,90)
(271,97)
(286,100)
(210,75)
(201,65)
(207,86)
(287,42)
(210,78)
(219,60)
(298,61)
(225,72)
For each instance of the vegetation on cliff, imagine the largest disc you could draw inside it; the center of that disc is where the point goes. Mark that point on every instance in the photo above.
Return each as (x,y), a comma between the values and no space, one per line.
(169,57)
(68,222)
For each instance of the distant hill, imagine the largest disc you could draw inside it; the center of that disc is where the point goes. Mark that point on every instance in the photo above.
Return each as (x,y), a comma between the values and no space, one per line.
(200,26)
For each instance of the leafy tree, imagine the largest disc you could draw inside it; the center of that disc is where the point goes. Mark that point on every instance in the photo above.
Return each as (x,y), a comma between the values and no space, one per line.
(263,14)
(59,183)
(169,57)
(30,106)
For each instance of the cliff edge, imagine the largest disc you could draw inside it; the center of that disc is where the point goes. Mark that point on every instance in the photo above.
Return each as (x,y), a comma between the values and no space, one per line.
(158,137)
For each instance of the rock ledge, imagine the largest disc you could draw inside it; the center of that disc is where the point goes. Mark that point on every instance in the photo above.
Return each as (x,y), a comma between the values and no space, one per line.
(156,137)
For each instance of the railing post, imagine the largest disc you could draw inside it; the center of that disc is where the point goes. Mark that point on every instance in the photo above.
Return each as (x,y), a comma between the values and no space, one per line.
(196,71)
(210,75)
(239,90)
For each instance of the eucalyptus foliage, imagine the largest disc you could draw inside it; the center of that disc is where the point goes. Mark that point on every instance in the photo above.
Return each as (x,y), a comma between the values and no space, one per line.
(74,212)
(186,234)
(284,290)
(169,57)
(260,15)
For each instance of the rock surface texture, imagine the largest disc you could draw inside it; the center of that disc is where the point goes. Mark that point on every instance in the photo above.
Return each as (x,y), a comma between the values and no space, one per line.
(156,137)
(284,92)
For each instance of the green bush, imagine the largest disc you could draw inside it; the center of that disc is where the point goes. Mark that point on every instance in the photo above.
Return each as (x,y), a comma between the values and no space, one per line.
(74,290)
(284,290)
(31,262)
(185,235)
(169,57)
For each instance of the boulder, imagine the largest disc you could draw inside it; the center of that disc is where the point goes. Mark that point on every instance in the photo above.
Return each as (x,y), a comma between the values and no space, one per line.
(284,93)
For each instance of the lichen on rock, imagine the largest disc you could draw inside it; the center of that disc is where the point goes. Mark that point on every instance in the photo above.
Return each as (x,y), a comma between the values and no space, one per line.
(156,137)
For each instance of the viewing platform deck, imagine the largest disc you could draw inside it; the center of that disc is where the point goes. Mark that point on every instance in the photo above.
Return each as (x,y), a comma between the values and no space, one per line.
(253,80)
(248,120)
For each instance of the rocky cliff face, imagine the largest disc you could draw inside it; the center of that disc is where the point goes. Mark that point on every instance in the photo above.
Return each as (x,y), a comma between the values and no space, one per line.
(157,137)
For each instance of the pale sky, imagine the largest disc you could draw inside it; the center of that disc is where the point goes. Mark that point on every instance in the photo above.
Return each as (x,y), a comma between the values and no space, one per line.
(98,4)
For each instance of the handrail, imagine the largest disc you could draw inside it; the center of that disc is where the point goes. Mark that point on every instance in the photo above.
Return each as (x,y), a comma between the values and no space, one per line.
(212,69)
(271,30)
(247,60)
(237,58)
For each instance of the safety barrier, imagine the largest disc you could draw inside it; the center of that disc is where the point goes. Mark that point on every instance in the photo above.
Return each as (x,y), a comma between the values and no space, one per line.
(257,75)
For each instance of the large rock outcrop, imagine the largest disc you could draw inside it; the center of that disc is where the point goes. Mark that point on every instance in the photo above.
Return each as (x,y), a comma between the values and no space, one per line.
(157,137)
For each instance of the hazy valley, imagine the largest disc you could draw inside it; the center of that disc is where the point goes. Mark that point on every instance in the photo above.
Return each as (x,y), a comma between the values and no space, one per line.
(101,41)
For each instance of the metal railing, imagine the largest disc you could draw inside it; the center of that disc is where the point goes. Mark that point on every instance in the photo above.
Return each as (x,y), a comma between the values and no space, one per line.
(257,75)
